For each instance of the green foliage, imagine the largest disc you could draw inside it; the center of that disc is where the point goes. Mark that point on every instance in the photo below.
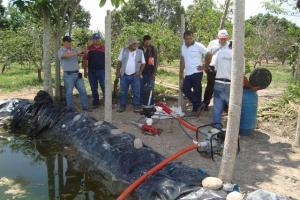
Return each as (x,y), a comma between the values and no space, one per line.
(163,37)
(291,94)
(203,19)
(81,37)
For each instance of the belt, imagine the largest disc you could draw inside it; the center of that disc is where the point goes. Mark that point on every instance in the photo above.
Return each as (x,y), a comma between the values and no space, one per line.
(223,80)
(71,72)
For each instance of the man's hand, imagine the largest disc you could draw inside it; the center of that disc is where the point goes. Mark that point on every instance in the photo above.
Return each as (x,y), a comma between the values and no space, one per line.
(255,88)
(153,77)
(138,74)
(118,74)
(85,74)
(201,68)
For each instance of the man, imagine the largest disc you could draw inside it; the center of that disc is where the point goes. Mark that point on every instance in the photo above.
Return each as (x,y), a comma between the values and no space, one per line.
(213,47)
(148,79)
(191,60)
(68,57)
(130,68)
(94,67)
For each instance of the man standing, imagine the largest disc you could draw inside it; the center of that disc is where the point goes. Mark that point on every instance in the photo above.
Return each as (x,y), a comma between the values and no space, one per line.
(130,68)
(213,47)
(94,67)
(191,60)
(148,79)
(68,57)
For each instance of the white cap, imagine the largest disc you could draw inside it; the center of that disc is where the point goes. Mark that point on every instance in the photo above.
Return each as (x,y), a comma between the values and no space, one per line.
(223,34)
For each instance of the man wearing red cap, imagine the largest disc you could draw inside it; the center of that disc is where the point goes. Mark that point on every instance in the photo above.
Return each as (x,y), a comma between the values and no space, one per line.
(213,47)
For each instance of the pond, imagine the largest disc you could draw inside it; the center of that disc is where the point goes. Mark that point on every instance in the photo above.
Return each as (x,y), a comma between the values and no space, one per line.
(36,169)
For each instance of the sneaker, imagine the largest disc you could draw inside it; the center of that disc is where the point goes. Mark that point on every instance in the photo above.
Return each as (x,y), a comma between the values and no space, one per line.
(121,109)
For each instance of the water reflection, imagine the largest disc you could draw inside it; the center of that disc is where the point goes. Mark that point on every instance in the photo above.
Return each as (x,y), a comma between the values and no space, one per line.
(37,169)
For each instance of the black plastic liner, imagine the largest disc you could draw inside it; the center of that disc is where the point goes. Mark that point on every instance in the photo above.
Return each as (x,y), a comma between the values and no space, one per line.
(113,155)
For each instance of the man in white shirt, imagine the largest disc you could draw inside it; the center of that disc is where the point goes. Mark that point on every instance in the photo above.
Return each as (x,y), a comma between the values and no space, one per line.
(192,54)
(130,68)
(213,47)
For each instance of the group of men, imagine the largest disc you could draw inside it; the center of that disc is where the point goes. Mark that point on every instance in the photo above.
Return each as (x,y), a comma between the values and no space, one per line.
(137,67)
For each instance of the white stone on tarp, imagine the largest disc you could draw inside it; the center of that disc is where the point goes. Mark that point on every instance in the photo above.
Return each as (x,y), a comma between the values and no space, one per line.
(138,143)
(212,183)
(116,131)
(63,126)
(265,195)
(234,196)
(76,118)
(98,123)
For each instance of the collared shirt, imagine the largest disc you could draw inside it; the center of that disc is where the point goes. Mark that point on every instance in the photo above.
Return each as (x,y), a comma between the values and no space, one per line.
(68,64)
(213,47)
(223,63)
(95,56)
(130,67)
(193,57)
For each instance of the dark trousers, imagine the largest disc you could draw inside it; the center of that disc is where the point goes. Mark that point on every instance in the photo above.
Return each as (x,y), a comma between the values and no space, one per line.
(147,84)
(97,77)
(209,90)
(192,89)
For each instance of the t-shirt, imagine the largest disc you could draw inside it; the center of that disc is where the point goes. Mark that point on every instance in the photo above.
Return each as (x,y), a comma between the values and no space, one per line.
(193,57)
(223,63)
(213,47)
(149,52)
(95,56)
(68,64)
(130,66)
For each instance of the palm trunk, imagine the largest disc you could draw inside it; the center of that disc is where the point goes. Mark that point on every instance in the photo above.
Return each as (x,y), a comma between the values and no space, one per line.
(180,95)
(57,72)
(46,55)
(108,83)
(297,141)
(222,24)
(236,91)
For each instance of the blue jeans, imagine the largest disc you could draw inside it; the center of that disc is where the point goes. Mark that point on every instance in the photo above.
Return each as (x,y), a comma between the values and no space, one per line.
(147,84)
(221,98)
(135,83)
(71,81)
(193,82)
(96,77)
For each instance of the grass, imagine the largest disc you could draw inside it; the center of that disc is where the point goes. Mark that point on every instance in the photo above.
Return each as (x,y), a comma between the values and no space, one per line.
(17,78)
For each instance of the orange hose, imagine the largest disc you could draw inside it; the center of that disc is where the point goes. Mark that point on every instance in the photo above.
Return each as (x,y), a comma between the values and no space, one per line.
(187,124)
(153,170)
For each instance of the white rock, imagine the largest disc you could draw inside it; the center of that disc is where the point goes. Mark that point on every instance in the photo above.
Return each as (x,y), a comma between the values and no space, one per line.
(138,143)
(63,126)
(76,118)
(234,196)
(116,131)
(212,183)
(98,123)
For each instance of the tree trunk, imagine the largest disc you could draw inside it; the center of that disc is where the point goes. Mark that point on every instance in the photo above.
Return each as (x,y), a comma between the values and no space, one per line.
(39,70)
(57,71)
(236,91)
(3,69)
(297,141)
(297,72)
(108,83)
(46,55)
(222,24)
(180,96)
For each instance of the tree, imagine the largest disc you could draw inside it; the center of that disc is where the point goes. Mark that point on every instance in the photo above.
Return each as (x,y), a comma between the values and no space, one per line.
(236,88)
(225,13)
(3,20)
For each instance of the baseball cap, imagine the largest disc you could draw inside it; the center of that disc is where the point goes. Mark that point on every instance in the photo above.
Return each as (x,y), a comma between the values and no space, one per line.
(131,40)
(67,39)
(223,34)
(96,36)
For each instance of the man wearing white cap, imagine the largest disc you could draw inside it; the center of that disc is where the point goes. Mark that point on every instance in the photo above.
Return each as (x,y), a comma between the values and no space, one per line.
(222,61)
(213,47)
(130,68)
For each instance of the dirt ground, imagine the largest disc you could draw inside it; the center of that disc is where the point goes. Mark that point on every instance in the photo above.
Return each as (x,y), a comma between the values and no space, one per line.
(267,159)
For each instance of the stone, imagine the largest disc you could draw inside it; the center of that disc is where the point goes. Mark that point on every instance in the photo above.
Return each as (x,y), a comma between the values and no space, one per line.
(116,131)
(98,123)
(234,196)
(138,143)
(212,183)
(76,118)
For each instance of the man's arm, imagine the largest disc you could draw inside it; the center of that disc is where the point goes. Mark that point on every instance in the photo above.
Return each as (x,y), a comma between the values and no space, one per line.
(207,59)
(85,64)
(118,69)
(142,65)
(155,60)
(247,84)
(181,69)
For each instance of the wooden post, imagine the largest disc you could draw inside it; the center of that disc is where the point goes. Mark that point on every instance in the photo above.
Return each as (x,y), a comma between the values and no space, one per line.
(236,92)
(180,96)
(297,141)
(108,84)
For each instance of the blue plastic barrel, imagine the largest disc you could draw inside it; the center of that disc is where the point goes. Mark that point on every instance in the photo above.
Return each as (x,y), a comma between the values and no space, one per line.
(249,112)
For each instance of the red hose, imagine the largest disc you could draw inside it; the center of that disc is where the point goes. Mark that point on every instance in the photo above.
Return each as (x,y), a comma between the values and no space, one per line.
(153,170)
(168,110)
